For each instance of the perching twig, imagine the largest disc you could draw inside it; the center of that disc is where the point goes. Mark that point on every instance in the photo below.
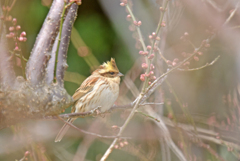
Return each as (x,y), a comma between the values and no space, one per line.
(90,133)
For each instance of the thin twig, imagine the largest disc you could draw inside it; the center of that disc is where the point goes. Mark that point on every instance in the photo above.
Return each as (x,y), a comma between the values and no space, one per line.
(146,115)
(150,103)
(90,133)
(165,133)
(160,53)
(204,66)
(138,29)
(232,14)
(111,147)
(154,40)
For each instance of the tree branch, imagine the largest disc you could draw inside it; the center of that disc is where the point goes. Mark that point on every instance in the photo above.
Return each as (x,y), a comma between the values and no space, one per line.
(65,39)
(35,70)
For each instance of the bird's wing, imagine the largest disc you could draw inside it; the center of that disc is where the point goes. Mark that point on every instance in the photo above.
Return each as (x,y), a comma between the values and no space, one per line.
(86,87)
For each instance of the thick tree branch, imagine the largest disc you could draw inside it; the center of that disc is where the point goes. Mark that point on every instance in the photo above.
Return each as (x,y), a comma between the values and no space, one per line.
(34,98)
(65,39)
(41,52)
(51,63)
(63,48)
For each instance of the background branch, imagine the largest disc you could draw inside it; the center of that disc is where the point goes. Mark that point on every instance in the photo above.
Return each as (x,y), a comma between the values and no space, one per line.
(65,39)
(41,52)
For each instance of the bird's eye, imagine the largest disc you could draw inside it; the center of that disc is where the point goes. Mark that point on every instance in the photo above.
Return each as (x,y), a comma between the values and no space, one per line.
(111,73)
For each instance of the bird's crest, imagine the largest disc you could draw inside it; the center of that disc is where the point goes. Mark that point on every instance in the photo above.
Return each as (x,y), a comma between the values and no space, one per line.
(110,65)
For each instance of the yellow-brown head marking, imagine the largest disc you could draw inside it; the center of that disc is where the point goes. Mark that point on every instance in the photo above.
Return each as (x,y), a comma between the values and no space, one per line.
(109,69)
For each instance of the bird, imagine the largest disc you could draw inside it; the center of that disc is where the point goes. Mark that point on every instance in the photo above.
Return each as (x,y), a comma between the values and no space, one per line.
(100,89)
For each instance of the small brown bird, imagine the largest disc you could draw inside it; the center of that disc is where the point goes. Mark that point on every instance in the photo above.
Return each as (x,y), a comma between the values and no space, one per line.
(100,89)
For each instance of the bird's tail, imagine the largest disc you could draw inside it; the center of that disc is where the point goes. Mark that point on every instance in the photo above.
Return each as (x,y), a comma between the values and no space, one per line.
(63,130)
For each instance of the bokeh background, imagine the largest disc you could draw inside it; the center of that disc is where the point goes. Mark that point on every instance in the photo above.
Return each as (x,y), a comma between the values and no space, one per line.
(101,31)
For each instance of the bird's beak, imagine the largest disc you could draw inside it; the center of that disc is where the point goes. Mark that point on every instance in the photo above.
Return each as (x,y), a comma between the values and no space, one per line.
(120,74)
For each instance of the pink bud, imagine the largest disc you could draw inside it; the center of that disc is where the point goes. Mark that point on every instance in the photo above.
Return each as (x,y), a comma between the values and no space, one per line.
(153,34)
(115,127)
(149,47)
(161,8)
(144,66)
(18,27)
(169,62)
(151,72)
(200,53)
(20,38)
(16,48)
(11,28)
(147,75)
(152,67)
(151,56)
(163,24)
(129,16)
(135,23)
(141,52)
(157,38)
(149,83)
(122,4)
(125,142)
(153,78)
(139,23)
(150,36)
(121,144)
(186,34)
(14,21)
(142,77)
(24,39)
(116,146)
(26,153)
(23,34)
(174,63)
(145,53)
(196,58)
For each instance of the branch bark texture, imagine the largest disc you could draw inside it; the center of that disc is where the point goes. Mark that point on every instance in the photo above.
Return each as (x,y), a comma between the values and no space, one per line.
(41,52)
